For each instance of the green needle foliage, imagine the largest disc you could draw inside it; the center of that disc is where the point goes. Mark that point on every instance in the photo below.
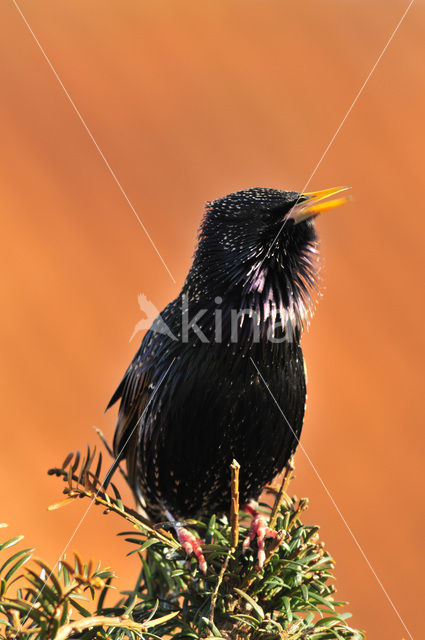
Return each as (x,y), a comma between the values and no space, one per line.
(290,598)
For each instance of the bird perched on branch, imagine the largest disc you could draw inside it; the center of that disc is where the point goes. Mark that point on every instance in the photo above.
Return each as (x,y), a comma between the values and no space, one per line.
(220,374)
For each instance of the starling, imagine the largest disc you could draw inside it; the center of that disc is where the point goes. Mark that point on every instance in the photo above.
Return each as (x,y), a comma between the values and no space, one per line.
(192,399)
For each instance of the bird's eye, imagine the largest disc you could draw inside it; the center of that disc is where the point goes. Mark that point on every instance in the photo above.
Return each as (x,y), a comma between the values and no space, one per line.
(279,212)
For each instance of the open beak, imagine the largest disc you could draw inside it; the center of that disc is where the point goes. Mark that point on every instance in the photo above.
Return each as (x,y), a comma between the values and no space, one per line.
(316,202)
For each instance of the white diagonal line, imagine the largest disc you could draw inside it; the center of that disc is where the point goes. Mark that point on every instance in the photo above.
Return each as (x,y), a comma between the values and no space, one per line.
(341,124)
(333,501)
(359,93)
(83,517)
(93,140)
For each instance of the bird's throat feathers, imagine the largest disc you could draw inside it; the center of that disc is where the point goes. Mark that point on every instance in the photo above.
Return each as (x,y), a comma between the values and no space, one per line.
(283,295)
(271,293)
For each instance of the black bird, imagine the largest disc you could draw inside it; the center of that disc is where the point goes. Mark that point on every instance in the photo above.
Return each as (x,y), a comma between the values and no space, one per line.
(192,399)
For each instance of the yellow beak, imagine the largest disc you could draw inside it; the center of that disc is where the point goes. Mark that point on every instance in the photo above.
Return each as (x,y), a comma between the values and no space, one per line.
(316,202)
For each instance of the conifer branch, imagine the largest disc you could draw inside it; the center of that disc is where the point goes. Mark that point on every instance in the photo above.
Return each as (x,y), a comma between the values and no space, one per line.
(290,598)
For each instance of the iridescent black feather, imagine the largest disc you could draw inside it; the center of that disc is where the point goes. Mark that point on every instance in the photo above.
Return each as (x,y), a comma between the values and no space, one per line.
(188,407)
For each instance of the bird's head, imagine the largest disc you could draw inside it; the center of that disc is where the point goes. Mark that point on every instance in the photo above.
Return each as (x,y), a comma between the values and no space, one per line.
(262,242)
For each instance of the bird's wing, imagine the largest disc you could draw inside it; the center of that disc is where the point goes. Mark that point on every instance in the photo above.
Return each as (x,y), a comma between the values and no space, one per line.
(137,390)
(134,391)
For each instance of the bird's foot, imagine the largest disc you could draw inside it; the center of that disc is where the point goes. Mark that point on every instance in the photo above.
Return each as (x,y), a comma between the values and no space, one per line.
(191,544)
(260,531)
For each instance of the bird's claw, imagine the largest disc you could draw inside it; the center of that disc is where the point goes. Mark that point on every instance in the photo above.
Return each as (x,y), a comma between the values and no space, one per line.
(191,544)
(260,531)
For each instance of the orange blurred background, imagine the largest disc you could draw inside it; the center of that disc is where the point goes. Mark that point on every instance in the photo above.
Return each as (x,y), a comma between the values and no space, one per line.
(189,101)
